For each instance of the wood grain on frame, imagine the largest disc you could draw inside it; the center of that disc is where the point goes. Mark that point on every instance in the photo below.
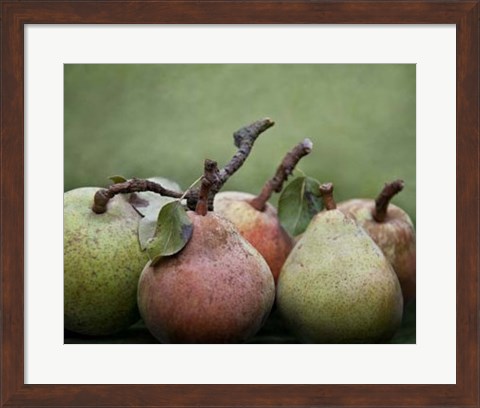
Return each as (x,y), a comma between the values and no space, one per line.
(15,14)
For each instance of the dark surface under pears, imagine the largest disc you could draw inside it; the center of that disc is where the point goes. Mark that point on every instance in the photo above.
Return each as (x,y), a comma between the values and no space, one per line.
(218,289)
(273,332)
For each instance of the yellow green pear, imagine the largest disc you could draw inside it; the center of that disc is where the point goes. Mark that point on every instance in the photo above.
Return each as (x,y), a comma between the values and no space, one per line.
(336,285)
(102,264)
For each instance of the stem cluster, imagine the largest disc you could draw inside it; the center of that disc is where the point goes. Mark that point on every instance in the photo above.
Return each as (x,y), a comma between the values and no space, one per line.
(244,139)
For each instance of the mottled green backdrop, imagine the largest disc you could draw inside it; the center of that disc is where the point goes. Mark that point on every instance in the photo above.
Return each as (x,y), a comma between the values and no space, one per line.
(164,120)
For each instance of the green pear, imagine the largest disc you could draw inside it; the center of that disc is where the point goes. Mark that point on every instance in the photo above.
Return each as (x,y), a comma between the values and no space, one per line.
(217,289)
(102,264)
(336,286)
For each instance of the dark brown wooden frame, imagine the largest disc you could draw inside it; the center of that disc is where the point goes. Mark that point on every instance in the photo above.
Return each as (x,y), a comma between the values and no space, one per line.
(15,14)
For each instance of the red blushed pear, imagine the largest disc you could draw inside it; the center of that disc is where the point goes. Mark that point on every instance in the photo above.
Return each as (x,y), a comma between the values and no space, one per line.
(256,219)
(261,228)
(217,289)
(392,230)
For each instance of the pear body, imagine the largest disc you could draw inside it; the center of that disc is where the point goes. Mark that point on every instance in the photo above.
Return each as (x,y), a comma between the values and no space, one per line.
(261,228)
(395,236)
(217,289)
(336,285)
(102,264)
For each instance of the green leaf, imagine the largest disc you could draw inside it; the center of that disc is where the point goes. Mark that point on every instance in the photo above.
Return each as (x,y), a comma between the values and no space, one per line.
(118,179)
(298,203)
(172,233)
(148,224)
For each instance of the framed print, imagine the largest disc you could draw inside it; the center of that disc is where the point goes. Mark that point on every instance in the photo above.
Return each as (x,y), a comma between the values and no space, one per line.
(379,87)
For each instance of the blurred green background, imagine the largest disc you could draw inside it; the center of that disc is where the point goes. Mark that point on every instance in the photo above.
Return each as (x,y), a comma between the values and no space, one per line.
(164,120)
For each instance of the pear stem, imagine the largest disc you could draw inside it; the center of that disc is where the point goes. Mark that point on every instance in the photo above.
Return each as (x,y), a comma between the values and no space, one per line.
(244,139)
(209,179)
(103,196)
(284,170)
(379,213)
(326,191)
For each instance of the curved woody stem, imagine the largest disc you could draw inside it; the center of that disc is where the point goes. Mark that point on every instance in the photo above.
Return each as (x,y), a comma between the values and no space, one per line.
(103,196)
(379,212)
(244,139)
(284,170)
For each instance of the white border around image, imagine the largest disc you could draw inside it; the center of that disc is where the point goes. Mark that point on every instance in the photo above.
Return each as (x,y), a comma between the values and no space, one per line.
(431,361)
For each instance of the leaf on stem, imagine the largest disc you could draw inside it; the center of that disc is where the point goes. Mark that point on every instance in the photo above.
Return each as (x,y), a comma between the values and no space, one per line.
(148,224)
(118,179)
(298,203)
(173,231)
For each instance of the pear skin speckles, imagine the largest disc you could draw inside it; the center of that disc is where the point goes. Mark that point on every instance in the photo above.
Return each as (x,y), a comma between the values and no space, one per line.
(102,264)
(395,237)
(218,289)
(261,228)
(336,286)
